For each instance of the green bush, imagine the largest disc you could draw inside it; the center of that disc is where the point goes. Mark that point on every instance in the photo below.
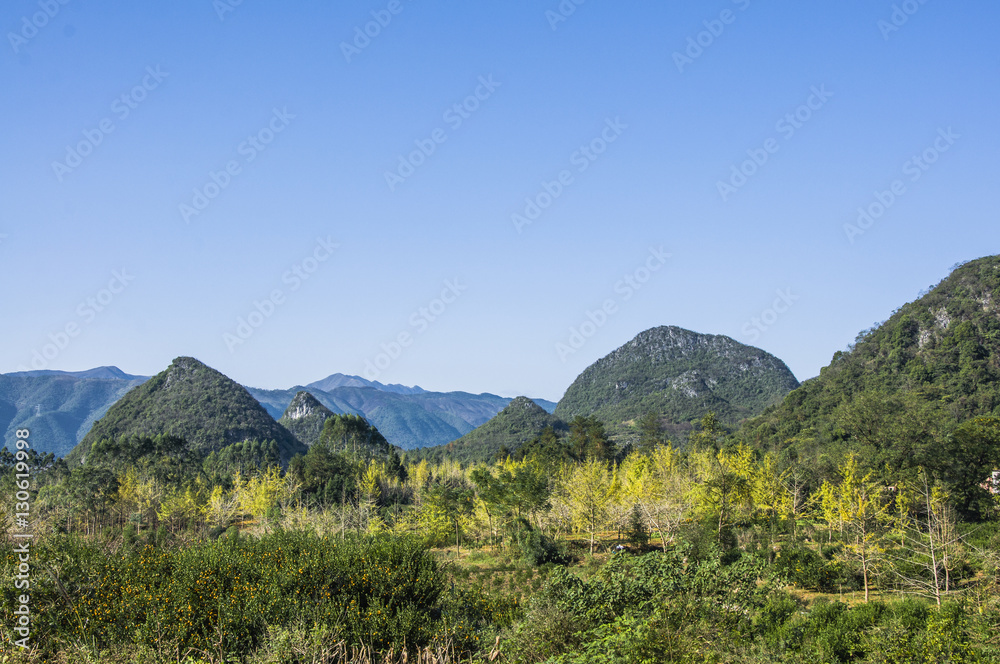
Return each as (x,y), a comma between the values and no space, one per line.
(538,549)
(219,597)
(807,569)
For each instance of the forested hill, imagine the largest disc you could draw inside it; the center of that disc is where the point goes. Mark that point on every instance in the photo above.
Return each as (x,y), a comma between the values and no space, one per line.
(900,390)
(680,374)
(194,402)
(520,422)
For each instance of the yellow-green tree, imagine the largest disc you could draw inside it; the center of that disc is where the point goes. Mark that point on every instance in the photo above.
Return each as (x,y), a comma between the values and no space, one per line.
(858,504)
(725,484)
(590,488)
(137,493)
(660,484)
(181,507)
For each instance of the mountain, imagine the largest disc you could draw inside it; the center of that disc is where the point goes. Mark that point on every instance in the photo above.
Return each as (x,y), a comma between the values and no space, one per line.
(193,402)
(681,375)
(519,422)
(336,380)
(305,418)
(899,391)
(59,406)
(409,421)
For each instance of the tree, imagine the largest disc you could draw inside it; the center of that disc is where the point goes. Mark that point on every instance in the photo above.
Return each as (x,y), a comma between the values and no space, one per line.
(858,504)
(590,488)
(724,483)
(493,493)
(587,439)
(930,539)
(454,503)
(650,431)
(709,436)
(660,486)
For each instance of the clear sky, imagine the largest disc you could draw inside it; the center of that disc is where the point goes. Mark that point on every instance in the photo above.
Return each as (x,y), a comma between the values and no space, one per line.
(168,170)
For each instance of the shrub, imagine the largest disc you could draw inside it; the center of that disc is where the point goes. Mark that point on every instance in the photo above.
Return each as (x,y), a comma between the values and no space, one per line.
(807,569)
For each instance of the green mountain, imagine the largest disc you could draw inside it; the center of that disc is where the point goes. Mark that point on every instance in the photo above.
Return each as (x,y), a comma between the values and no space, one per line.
(194,402)
(521,421)
(59,407)
(681,375)
(407,420)
(305,418)
(898,393)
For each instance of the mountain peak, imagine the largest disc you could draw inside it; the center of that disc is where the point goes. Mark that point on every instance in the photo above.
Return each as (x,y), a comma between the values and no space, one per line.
(304,405)
(519,422)
(680,374)
(305,417)
(524,405)
(195,402)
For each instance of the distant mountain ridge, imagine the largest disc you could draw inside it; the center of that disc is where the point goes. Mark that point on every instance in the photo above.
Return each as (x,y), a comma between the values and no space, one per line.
(336,380)
(101,373)
(680,374)
(60,406)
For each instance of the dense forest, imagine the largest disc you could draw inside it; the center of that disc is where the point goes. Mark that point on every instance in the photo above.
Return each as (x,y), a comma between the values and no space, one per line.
(855,521)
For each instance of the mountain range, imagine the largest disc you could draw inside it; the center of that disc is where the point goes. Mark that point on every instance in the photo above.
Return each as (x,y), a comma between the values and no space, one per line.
(934,364)
(60,406)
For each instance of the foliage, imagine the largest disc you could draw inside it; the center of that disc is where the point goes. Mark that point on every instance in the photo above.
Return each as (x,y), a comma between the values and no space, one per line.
(219,597)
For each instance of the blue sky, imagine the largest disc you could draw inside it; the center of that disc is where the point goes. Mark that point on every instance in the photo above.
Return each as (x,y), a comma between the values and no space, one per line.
(127,242)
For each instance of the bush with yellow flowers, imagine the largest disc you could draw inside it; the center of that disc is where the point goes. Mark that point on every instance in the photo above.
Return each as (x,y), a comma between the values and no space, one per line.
(221,596)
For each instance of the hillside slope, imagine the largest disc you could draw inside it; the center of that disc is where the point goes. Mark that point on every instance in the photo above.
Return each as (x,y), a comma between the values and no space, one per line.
(59,407)
(933,364)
